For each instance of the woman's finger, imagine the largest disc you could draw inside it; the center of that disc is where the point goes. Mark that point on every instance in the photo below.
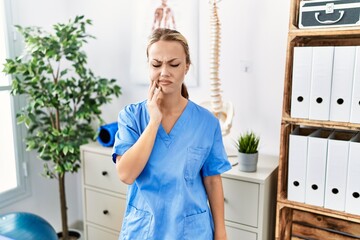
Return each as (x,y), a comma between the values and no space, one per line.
(151,90)
(157,92)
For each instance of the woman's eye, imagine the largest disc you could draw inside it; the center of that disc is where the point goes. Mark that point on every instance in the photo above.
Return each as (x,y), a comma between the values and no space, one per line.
(174,65)
(156,65)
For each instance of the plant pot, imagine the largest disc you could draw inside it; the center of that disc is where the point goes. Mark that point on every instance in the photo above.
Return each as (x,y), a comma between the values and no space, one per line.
(248,161)
(74,234)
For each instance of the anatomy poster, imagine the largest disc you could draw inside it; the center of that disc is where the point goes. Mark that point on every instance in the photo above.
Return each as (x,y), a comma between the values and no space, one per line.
(181,15)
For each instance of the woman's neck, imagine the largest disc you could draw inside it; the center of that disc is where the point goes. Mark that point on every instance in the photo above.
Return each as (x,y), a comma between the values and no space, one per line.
(171,104)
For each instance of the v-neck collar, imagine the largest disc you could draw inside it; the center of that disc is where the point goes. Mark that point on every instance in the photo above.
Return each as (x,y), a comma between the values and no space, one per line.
(184,116)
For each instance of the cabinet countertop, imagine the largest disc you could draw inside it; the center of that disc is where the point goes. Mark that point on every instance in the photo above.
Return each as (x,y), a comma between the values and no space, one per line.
(97,148)
(266,165)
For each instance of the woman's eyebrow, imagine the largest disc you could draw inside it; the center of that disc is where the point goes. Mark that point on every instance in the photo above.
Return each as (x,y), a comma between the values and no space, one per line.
(171,60)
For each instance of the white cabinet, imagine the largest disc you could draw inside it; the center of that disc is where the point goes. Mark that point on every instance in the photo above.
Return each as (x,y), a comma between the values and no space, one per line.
(250,200)
(103,193)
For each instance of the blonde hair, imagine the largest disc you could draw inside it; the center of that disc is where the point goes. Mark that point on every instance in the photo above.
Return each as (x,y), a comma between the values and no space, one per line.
(165,34)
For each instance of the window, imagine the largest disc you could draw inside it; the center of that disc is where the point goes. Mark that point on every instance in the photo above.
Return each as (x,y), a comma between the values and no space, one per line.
(13,185)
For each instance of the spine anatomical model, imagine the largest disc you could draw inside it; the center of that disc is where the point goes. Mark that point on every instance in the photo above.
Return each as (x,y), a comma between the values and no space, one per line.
(223,111)
(215,40)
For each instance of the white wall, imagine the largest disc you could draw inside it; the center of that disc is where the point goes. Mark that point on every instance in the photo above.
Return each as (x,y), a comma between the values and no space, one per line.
(254,32)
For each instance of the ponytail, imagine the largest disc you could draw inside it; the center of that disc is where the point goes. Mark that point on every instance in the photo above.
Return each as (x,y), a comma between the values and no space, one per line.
(184,91)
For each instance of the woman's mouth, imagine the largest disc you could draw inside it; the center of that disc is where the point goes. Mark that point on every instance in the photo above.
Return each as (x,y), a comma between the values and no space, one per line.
(164,82)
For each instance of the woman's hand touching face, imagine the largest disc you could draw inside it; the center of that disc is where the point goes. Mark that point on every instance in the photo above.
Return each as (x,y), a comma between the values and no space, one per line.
(153,102)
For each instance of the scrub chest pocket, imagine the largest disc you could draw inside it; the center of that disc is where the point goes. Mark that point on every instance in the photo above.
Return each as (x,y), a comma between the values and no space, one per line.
(195,159)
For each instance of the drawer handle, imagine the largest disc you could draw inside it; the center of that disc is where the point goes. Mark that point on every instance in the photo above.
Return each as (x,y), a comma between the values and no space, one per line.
(104,173)
(105,212)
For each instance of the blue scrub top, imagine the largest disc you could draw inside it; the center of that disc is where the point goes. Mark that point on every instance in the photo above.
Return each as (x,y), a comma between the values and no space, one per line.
(168,200)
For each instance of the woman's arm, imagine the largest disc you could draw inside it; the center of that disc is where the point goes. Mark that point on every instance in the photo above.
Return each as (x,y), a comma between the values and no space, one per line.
(214,190)
(130,165)
(132,162)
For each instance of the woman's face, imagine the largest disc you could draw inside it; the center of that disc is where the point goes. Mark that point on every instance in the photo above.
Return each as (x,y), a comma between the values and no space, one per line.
(167,64)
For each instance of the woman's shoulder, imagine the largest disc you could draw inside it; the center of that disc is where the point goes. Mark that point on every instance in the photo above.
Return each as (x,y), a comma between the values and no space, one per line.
(137,108)
(204,113)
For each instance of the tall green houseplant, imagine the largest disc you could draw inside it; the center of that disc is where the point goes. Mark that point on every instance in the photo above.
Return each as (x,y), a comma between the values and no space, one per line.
(63,97)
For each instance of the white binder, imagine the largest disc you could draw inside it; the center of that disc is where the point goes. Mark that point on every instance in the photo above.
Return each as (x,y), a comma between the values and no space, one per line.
(352,204)
(355,103)
(342,81)
(321,77)
(316,167)
(336,170)
(298,143)
(301,81)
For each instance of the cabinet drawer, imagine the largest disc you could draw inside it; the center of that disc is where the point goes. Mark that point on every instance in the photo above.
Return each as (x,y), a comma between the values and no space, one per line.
(105,210)
(241,201)
(100,171)
(97,234)
(236,234)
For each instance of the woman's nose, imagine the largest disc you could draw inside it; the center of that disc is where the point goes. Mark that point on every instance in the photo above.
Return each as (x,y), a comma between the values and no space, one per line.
(164,71)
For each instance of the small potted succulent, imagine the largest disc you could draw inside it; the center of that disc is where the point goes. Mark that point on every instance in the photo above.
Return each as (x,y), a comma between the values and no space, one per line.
(247,145)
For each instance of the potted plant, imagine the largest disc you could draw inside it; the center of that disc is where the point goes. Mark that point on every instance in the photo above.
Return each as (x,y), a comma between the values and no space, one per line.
(63,98)
(247,145)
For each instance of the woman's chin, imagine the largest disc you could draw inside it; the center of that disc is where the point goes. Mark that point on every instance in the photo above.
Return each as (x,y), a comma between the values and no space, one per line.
(166,92)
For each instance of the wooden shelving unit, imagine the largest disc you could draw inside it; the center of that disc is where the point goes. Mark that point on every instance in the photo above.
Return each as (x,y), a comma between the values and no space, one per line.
(298,220)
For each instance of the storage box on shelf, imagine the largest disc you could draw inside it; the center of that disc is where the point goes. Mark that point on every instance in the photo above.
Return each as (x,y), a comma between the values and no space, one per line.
(104,196)
(297,220)
(329,13)
(250,200)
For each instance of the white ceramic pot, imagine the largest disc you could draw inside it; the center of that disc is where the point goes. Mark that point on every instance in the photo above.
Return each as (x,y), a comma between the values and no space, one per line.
(248,161)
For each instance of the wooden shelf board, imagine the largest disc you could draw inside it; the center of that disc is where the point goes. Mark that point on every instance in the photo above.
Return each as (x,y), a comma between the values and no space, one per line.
(321,124)
(319,210)
(313,32)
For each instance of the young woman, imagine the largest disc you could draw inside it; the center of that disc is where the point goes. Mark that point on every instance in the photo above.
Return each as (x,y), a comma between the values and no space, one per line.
(170,151)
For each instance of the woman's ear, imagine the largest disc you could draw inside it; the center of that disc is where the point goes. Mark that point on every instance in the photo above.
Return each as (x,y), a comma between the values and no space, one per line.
(187,68)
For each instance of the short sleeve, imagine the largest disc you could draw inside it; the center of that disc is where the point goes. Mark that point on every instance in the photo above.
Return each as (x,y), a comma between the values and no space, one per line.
(127,133)
(217,161)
